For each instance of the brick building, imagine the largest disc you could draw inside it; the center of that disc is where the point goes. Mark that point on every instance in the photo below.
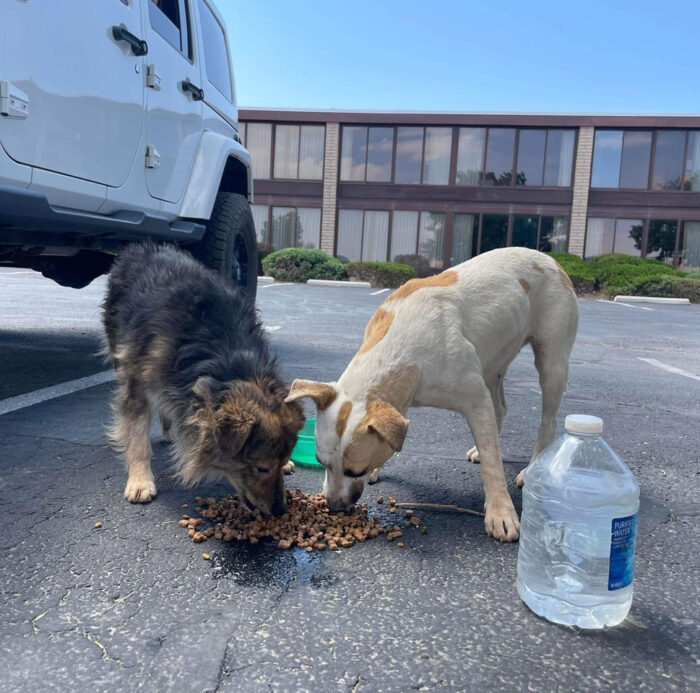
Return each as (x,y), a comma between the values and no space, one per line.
(447,186)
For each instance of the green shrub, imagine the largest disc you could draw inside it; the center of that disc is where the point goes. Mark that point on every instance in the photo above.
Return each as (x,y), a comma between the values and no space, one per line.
(419,263)
(579,271)
(692,274)
(380,274)
(668,286)
(301,264)
(619,273)
(264,249)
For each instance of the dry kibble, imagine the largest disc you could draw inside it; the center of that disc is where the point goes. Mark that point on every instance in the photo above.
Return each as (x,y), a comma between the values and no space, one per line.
(424,530)
(308,524)
(415,521)
(380,499)
(185,505)
(400,544)
(392,501)
(206,556)
(98,525)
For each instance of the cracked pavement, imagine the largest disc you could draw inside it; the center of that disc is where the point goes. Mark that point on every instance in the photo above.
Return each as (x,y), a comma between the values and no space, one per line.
(132,606)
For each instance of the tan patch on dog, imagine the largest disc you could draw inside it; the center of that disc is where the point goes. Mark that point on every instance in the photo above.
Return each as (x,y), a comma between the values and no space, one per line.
(376,330)
(438,281)
(537,267)
(321,393)
(525,285)
(565,279)
(397,387)
(343,416)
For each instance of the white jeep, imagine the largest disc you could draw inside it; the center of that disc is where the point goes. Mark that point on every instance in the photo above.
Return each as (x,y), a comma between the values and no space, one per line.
(118,122)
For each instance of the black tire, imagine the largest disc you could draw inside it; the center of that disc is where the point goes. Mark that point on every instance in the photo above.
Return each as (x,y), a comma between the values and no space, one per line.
(230,245)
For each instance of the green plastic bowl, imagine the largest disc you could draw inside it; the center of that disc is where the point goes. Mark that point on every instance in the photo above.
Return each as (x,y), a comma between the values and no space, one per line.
(304,452)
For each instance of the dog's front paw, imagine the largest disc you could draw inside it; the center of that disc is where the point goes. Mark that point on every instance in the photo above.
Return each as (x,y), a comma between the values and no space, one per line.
(473,455)
(373,477)
(502,521)
(288,468)
(140,490)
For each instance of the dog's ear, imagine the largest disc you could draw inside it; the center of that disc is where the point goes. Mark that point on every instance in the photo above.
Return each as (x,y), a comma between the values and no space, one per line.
(235,419)
(386,422)
(322,393)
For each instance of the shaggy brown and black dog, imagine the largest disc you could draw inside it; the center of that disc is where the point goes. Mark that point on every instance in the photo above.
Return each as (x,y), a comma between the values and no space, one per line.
(189,345)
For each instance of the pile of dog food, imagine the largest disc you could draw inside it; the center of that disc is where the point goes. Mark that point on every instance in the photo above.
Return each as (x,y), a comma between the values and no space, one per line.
(308,523)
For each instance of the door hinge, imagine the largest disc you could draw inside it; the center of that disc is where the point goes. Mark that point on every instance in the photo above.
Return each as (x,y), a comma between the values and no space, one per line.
(153,80)
(13,102)
(152,157)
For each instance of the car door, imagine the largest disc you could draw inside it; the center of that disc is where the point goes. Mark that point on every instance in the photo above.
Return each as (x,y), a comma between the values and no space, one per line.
(73,91)
(173,98)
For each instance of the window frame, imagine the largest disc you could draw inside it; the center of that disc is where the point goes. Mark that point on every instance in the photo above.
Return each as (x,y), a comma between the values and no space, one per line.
(229,67)
(281,204)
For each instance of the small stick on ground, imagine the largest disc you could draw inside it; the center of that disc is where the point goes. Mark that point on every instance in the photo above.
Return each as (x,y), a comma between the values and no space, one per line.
(438,506)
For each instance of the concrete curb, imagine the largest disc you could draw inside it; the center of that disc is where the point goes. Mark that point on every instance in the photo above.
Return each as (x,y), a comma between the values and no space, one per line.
(651,299)
(345,285)
(266,280)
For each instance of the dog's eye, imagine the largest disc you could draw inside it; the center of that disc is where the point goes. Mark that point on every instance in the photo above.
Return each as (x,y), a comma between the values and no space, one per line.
(262,470)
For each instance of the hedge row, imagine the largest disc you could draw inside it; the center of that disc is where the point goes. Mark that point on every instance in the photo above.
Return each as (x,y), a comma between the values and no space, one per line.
(380,274)
(618,274)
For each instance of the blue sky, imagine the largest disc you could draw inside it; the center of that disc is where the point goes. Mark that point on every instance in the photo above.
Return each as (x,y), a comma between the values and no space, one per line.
(443,55)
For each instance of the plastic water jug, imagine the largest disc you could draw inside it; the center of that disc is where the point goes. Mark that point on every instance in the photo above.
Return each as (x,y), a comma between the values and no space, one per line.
(578,530)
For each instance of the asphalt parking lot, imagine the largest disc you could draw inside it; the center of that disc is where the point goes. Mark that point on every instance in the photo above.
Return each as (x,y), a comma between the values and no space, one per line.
(133,606)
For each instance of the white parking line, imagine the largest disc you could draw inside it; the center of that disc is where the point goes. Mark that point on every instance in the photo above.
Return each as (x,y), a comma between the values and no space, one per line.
(381,291)
(619,303)
(670,369)
(47,393)
(272,286)
(272,328)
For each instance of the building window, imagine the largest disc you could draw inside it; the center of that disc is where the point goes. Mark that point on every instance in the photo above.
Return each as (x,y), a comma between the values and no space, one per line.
(636,155)
(216,59)
(362,235)
(607,155)
(668,160)
(464,237)
(554,233)
(353,154)
(380,152)
(690,246)
(438,150)
(431,238)
(605,236)
(260,219)
(404,235)
(409,155)
(258,141)
(559,160)
(531,144)
(661,240)
(471,148)
(628,237)
(299,152)
(500,150)
(691,180)
(525,231)
(494,232)
(292,227)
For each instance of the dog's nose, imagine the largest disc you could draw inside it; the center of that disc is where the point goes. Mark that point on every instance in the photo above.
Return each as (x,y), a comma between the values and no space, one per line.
(279,507)
(338,506)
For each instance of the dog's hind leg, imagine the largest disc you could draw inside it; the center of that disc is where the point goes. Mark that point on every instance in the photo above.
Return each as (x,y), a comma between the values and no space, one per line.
(553,367)
(131,433)
(500,407)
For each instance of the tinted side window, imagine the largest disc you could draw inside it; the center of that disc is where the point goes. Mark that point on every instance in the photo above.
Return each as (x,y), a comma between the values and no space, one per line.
(169,19)
(215,53)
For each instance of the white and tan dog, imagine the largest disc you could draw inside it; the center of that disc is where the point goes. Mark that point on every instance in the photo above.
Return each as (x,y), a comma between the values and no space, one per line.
(447,341)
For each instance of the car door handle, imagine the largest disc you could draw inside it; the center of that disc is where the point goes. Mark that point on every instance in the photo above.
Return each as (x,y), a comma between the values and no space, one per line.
(138,46)
(189,88)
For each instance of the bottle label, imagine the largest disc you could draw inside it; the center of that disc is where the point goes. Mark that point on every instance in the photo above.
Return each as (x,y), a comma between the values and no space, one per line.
(622,540)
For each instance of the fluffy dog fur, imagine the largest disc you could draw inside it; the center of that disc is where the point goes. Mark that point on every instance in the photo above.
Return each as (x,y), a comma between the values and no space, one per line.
(188,344)
(447,341)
